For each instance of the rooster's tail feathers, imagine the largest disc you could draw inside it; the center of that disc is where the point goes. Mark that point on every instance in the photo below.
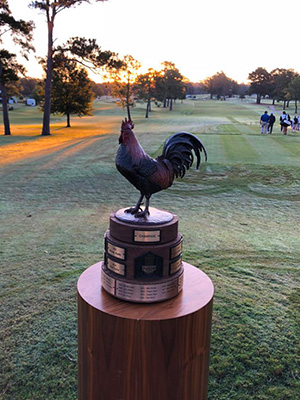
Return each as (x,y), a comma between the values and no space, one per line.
(178,150)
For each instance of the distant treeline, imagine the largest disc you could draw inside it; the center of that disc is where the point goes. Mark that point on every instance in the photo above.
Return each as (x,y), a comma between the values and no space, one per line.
(28,85)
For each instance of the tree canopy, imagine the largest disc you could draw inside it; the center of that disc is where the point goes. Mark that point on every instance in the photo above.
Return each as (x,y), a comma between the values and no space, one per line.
(89,54)
(145,87)
(169,84)
(260,83)
(220,85)
(124,79)
(280,80)
(293,91)
(71,88)
(28,86)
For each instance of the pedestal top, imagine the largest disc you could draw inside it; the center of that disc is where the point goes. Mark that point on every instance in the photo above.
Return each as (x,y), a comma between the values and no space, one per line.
(156,217)
(197,292)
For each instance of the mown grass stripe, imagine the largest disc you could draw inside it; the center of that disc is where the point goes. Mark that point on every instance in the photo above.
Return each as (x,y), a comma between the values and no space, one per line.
(237,150)
(214,148)
(272,151)
(290,144)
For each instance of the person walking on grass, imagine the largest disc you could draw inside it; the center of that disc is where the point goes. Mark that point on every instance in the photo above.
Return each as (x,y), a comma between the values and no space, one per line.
(295,125)
(264,122)
(272,120)
(284,122)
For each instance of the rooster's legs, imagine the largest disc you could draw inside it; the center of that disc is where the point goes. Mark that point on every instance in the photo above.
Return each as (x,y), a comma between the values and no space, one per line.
(134,210)
(145,213)
(137,211)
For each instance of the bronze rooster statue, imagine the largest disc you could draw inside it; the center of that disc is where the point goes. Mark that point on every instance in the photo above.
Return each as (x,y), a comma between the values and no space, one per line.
(150,175)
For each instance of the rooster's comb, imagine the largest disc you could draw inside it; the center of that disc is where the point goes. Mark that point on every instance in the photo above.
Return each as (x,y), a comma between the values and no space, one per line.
(127,124)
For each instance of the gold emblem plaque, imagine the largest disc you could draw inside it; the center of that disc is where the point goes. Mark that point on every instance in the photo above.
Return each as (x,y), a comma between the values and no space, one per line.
(116,267)
(116,251)
(147,236)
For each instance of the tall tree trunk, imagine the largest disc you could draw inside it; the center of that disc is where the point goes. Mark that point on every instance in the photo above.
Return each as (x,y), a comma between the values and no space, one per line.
(128,112)
(127,100)
(258,97)
(171,104)
(296,106)
(68,120)
(5,110)
(148,107)
(47,105)
(147,110)
(4,104)
(284,102)
(273,102)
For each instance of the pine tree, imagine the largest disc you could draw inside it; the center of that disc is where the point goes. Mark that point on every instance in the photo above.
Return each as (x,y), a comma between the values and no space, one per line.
(72,92)
(51,8)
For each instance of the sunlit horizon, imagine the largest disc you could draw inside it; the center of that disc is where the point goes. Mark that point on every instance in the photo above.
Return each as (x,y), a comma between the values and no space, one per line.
(200,39)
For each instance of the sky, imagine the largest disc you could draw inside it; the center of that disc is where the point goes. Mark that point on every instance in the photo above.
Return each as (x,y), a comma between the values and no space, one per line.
(201,37)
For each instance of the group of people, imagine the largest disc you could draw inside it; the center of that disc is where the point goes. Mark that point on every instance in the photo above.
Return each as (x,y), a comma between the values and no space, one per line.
(267,121)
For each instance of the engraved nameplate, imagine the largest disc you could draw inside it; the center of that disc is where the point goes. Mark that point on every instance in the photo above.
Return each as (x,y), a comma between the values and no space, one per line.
(108,283)
(142,293)
(175,266)
(115,267)
(146,293)
(176,250)
(116,251)
(127,291)
(146,236)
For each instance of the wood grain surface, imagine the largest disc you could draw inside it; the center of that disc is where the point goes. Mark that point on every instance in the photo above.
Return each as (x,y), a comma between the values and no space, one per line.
(130,351)
(196,293)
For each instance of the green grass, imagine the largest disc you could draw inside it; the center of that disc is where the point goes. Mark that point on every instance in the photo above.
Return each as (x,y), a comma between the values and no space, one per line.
(239,216)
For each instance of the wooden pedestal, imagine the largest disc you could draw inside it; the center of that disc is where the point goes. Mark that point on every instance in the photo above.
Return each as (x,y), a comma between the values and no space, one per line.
(158,351)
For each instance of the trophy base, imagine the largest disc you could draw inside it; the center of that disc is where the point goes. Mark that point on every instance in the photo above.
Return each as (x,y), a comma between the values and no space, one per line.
(141,291)
(143,257)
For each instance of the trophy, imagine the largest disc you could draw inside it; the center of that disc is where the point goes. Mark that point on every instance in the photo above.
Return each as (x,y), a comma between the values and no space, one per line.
(143,248)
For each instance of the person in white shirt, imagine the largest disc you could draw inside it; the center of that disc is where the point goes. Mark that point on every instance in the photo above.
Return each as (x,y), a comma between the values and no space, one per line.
(284,122)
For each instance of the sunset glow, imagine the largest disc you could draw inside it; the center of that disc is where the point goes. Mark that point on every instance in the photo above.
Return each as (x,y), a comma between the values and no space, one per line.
(200,38)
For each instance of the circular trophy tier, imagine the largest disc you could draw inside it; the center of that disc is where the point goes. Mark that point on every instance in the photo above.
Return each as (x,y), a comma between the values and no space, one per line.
(141,291)
(143,259)
(143,262)
(140,231)
(156,217)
